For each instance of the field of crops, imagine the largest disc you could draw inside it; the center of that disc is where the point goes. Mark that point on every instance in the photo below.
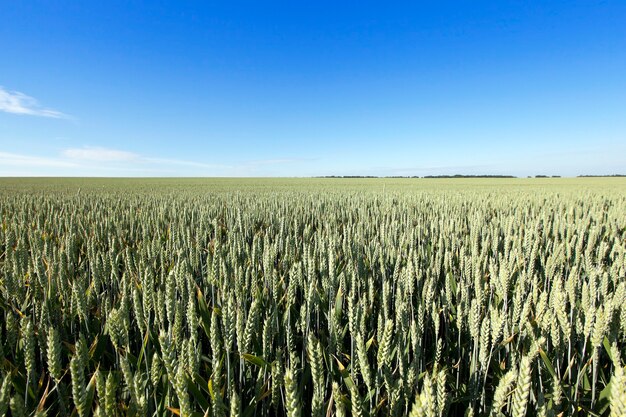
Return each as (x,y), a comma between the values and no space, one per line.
(318,297)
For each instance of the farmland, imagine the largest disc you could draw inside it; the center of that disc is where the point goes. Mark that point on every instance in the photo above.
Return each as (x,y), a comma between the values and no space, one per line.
(298,297)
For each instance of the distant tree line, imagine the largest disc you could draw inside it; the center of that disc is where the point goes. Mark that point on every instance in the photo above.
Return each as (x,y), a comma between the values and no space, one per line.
(599,176)
(463,176)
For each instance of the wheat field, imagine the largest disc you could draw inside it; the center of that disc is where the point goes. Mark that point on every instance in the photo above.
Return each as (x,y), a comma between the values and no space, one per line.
(313,297)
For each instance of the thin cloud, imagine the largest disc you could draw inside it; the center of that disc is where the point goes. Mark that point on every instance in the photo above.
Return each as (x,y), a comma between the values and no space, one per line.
(387,171)
(278,161)
(182,162)
(100,154)
(92,160)
(89,153)
(13,159)
(15,102)
(265,167)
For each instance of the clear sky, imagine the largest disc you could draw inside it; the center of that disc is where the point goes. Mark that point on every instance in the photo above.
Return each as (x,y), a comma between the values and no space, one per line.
(180,88)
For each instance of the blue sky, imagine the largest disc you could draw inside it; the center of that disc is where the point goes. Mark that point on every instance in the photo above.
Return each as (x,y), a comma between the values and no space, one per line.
(180,88)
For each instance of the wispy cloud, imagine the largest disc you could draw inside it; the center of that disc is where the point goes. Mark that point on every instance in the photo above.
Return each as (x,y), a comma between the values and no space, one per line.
(100,154)
(95,160)
(278,161)
(19,103)
(267,167)
(182,162)
(89,153)
(17,160)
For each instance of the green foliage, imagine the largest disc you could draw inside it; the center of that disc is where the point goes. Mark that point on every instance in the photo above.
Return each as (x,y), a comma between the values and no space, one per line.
(309,297)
